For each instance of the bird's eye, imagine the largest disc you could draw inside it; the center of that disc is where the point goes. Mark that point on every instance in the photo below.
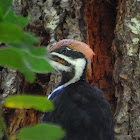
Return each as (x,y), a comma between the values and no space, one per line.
(64,51)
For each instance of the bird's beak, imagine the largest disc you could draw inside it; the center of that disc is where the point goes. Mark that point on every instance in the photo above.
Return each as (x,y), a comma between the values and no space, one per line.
(56,59)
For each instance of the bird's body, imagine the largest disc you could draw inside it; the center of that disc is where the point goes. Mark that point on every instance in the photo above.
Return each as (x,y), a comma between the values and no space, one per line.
(82,111)
(80,108)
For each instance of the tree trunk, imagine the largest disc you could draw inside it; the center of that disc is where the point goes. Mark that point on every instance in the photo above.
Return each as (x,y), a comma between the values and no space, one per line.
(127,70)
(116,68)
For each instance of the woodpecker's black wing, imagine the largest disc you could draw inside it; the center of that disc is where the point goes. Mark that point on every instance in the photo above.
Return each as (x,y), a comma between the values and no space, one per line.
(82,110)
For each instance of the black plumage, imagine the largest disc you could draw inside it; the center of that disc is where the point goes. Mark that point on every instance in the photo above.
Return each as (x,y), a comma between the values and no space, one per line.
(82,110)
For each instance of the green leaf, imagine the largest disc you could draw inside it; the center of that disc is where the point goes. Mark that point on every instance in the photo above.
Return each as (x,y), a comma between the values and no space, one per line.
(5,5)
(29,75)
(37,64)
(14,58)
(29,38)
(27,42)
(24,61)
(10,33)
(41,132)
(1,15)
(10,17)
(39,51)
(29,101)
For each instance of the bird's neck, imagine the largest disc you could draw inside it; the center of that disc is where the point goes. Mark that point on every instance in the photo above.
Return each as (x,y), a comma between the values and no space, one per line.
(75,74)
(72,77)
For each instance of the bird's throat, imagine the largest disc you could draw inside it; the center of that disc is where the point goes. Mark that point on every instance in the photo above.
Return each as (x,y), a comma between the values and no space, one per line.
(71,77)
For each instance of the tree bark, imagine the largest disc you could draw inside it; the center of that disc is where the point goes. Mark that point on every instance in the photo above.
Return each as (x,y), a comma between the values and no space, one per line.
(116,68)
(100,16)
(127,70)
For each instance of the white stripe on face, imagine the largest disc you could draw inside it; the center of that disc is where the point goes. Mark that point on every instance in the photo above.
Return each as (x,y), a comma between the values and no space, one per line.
(59,67)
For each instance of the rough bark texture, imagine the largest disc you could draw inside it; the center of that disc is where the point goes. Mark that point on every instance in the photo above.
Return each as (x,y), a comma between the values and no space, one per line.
(127,70)
(100,16)
(91,21)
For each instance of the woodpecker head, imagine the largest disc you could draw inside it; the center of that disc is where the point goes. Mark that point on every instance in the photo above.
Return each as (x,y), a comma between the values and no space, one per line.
(70,57)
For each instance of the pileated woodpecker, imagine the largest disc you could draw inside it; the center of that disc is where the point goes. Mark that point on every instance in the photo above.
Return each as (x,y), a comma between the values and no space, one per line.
(80,108)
